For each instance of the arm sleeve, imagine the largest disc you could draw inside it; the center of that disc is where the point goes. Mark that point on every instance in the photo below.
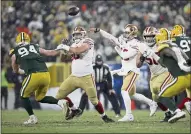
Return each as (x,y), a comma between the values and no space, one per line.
(168,52)
(113,39)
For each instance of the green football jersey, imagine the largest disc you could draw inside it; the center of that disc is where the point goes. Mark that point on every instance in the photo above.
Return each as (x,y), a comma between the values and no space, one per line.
(170,62)
(29,58)
(184,43)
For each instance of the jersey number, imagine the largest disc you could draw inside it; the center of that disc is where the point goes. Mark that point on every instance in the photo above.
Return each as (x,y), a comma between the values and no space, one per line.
(184,44)
(24,52)
(151,61)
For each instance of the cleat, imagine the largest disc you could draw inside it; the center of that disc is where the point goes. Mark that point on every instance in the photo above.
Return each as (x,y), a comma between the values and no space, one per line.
(188,106)
(65,107)
(127,118)
(177,115)
(153,108)
(73,113)
(106,119)
(32,120)
(167,116)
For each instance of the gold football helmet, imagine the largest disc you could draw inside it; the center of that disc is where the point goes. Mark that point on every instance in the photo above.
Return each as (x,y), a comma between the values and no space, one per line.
(149,36)
(130,32)
(162,36)
(78,34)
(178,30)
(22,38)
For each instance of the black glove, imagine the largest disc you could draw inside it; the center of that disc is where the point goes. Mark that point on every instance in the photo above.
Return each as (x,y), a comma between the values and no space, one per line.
(97,30)
(143,57)
(188,62)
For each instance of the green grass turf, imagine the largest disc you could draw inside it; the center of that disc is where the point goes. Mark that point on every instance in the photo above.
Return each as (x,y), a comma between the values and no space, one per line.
(90,122)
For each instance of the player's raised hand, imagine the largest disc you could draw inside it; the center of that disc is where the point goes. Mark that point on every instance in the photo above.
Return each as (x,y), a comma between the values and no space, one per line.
(94,30)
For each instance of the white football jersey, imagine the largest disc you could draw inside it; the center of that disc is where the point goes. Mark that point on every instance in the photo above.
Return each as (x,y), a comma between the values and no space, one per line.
(82,64)
(129,48)
(155,67)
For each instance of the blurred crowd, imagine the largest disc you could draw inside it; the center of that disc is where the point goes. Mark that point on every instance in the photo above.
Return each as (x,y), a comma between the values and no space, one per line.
(47,22)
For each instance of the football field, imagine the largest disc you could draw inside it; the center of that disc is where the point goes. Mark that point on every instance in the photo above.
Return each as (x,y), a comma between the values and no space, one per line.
(90,122)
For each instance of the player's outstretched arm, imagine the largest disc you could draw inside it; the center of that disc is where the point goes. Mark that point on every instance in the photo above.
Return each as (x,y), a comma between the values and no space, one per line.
(106,35)
(48,52)
(169,52)
(76,50)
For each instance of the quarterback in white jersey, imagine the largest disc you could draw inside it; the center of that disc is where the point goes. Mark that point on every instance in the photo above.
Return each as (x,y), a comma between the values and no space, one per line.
(127,47)
(82,51)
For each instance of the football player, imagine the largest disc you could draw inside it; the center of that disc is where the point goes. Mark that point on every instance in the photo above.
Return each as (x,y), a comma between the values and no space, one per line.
(127,47)
(170,57)
(82,51)
(27,59)
(159,74)
(179,37)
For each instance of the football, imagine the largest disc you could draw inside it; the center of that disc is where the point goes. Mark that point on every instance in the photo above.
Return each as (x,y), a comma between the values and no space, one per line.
(73,11)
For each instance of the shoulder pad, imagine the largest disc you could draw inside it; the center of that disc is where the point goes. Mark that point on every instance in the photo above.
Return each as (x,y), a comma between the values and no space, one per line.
(162,46)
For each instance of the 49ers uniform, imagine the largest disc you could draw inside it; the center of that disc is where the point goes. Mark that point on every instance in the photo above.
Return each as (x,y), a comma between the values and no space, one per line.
(81,77)
(159,75)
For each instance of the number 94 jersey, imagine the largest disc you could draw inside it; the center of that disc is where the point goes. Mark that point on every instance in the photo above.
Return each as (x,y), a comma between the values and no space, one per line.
(183,42)
(29,58)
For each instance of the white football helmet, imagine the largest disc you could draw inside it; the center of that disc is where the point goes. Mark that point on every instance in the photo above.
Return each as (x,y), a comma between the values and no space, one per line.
(149,36)
(78,34)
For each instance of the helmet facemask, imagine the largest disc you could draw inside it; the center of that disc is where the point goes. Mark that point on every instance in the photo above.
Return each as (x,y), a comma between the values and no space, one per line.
(149,36)
(78,34)
(150,40)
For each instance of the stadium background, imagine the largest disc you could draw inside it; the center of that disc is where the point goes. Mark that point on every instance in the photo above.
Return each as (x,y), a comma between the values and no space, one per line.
(47,23)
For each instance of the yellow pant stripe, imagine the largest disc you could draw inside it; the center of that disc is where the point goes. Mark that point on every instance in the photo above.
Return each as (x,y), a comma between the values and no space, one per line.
(131,82)
(167,86)
(165,81)
(25,84)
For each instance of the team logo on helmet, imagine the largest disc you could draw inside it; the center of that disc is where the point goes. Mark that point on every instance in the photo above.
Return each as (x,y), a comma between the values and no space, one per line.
(162,36)
(178,30)
(130,32)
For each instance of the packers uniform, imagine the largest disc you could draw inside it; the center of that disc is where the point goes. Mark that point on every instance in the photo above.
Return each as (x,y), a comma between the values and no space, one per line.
(38,78)
(181,78)
(184,42)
